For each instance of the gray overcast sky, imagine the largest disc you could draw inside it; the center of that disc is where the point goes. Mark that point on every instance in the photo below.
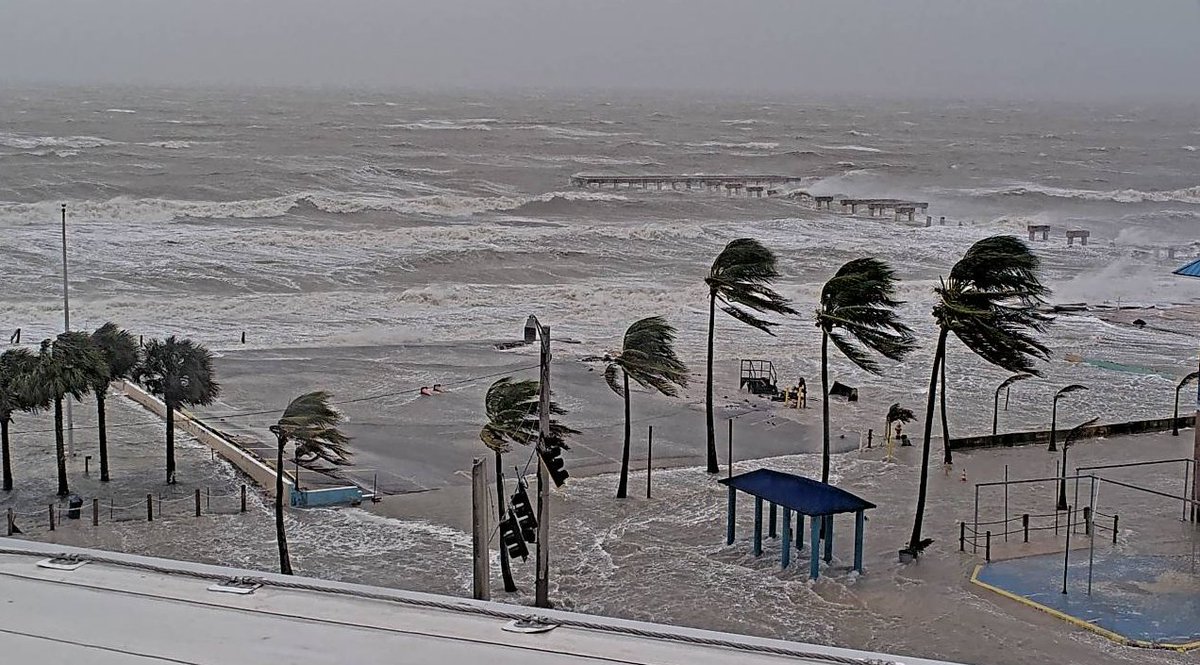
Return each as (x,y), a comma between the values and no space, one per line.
(1028,48)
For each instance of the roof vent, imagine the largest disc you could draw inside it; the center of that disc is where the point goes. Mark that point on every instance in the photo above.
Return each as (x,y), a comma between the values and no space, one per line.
(62,562)
(530,624)
(238,585)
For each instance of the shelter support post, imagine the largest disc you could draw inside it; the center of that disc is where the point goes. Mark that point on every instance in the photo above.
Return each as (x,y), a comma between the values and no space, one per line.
(814,556)
(799,531)
(758,505)
(787,537)
(828,538)
(773,518)
(859,521)
(729,517)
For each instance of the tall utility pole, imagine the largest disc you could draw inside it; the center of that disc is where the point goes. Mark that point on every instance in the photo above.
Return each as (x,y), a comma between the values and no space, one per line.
(542,584)
(67,328)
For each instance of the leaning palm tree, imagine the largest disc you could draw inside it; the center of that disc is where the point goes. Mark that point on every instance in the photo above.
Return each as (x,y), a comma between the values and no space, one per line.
(120,352)
(66,366)
(895,414)
(740,279)
(309,422)
(648,357)
(990,304)
(511,408)
(180,373)
(858,313)
(15,365)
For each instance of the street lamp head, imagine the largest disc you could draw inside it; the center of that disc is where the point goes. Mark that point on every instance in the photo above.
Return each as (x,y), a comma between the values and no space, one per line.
(531,329)
(1074,387)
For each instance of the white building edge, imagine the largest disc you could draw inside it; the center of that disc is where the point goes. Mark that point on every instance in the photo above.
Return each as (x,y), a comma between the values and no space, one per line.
(125,609)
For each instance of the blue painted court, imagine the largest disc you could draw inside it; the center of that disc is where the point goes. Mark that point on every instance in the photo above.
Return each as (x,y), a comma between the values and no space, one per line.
(1141,600)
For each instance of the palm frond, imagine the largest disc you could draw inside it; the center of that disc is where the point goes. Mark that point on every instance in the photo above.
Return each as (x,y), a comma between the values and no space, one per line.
(67,365)
(899,414)
(15,366)
(512,412)
(741,277)
(648,357)
(312,423)
(119,349)
(612,376)
(179,371)
(858,312)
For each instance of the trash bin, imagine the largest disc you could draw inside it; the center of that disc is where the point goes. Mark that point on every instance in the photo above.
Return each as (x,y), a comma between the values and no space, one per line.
(74,505)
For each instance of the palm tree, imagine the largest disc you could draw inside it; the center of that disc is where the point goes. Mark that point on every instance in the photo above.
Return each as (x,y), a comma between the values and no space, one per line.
(120,352)
(648,357)
(178,371)
(989,302)
(511,408)
(68,365)
(896,414)
(15,365)
(858,310)
(740,279)
(311,423)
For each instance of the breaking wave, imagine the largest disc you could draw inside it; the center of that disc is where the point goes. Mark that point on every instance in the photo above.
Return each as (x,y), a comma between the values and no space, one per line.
(749,145)
(27,142)
(1184,195)
(123,208)
(477,125)
(851,148)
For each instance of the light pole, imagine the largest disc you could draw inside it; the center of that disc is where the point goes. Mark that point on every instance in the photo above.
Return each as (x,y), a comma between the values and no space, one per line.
(535,330)
(67,327)
(996,405)
(1062,481)
(1192,269)
(1175,419)
(1054,411)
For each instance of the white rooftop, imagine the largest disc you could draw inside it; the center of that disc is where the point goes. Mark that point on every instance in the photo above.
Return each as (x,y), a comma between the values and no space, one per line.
(123,609)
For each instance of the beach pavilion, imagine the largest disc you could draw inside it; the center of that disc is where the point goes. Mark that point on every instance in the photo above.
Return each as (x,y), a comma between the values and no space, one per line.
(803,496)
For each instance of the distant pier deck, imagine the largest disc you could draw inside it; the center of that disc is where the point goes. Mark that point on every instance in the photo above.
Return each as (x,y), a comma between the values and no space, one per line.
(752,184)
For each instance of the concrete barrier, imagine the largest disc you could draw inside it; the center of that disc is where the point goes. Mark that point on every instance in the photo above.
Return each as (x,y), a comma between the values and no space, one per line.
(261,473)
(333,496)
(1095,431)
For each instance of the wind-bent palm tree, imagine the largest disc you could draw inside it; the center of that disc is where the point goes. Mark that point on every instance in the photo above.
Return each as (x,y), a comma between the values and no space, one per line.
(858,310)
(66,366)
(989,302)
(311,423)
(15,365)
(120,352)
(896,414)
(740,279)
(648,357)
(178,371)
(511,408)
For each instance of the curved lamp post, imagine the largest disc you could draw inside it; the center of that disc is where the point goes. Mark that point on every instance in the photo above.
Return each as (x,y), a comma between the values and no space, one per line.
(1062,482)
(996,405)
(1054,411)
(1175,421)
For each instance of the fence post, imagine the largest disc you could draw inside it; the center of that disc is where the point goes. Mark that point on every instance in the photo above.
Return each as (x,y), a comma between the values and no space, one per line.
(1025,525)
(1087,520)
(95,512)
(149,507)
(52,517)
(962,536)
(10,523)
(243,498)
(649,457)
(1116,521)
(987,547)
(208,499)
(197,502)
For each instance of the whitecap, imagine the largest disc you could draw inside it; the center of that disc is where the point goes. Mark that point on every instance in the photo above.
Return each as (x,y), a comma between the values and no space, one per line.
(852,148)
(119,111)
(27,142)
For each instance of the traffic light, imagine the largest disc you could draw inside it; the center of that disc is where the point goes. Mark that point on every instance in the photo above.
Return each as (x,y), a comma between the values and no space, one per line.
(552,457)
(510,537)
(524,512)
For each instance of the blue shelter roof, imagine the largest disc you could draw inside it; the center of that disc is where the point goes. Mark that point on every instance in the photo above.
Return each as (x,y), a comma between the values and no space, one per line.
(803,495)
(1190,270)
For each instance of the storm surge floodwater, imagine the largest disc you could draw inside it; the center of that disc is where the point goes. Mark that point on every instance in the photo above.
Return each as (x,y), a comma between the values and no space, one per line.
(332,219)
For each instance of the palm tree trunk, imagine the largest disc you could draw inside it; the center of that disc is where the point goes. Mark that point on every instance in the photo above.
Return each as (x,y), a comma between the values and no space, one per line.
(102,432)
(947,456)
(915,541)
(623,483)
(505,567)
(285,560)
(708,395)
(824,406)
(60,450)
(170,443)
(4,453)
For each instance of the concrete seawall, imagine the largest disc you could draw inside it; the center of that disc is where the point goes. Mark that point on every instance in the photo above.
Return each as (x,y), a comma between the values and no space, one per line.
(1043,436)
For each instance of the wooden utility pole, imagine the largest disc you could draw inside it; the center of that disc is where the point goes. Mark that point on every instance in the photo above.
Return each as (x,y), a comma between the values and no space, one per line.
(479,531)
(542,583)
